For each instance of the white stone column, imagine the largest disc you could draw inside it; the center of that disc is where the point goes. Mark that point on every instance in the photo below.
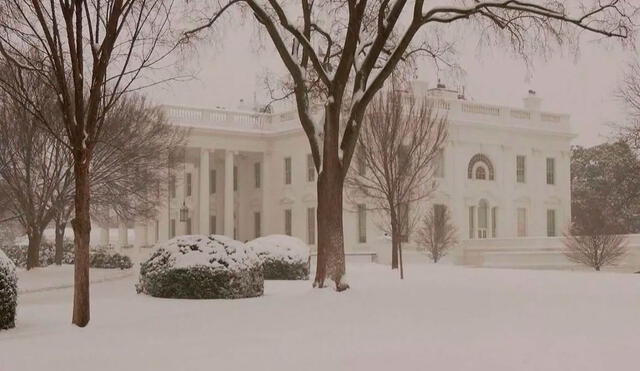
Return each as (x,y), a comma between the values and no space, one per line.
(151,232)
(123,237)
(228,193)
(203,201)
(103,236)
(163,214)
(266,210)
(140,233)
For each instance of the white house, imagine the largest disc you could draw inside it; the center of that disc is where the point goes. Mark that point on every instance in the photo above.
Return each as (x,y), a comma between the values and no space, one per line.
(504,173)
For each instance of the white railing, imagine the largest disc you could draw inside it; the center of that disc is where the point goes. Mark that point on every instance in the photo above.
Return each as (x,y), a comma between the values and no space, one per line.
(284,121)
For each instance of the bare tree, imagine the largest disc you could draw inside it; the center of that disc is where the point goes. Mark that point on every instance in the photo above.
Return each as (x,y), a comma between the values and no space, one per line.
(595,250)
(399,142)
(437,233)
(90,53)
(33,165)
(344,51)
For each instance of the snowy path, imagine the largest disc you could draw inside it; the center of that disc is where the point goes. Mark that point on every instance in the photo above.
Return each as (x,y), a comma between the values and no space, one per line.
(59,277)
(439,318)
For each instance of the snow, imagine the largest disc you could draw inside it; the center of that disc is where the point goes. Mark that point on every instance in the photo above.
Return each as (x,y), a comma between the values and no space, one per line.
(439,317)
(198,250)
(58,277)
(5,263)
(280,247)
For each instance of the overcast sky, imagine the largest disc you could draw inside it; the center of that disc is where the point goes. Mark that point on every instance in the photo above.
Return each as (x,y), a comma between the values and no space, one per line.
(232,68)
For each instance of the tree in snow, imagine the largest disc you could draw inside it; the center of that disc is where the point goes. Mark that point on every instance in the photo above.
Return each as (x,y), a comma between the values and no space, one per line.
(128,168)
(90,53)
(437,233)
(603,195)
(34,166)
(399,143)
(343,51)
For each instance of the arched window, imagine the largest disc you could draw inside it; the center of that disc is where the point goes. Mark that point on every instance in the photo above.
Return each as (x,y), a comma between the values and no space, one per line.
(480,168)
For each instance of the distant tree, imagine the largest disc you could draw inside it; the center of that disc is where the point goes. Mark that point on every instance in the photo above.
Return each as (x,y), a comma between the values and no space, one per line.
(34,165)
(437,233)
(397,149)
(338,55)
(604,193)
(596,249)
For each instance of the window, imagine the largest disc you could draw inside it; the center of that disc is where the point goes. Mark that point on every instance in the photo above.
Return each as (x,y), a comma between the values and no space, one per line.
(551,171)
(472,213)
(481,173)
(362,223)
(520,169)
(257,224)
(551,223)
(172,228)
(188,190)
(257,174)
(212,181)
(188,226)
(212,224)
(235,178)
(403,211)
(522,222)
(439,164)
(494,222)
(287,170)
(439,212)
(483,211)
(311,169)
(477,161)
(311,225)
(403,156)
(287,222)
(172,186)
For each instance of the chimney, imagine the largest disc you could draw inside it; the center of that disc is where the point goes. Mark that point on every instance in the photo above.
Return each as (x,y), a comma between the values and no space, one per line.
(532,102)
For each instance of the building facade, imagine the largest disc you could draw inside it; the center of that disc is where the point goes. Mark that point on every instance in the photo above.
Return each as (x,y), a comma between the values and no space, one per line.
(504,173)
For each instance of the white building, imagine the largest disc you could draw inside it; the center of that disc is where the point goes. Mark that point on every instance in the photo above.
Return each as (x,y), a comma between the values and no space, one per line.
(504,174)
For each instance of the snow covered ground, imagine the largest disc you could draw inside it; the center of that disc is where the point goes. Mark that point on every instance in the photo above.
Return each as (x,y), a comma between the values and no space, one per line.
(57,277)
(439,318)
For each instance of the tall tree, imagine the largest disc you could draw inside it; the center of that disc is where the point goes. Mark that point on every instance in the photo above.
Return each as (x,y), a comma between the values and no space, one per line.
(343,52)
(603,194)
(399,142)
(90,53)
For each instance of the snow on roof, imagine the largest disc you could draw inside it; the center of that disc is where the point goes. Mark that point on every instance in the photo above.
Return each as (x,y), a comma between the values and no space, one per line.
(280,247)
(212,251)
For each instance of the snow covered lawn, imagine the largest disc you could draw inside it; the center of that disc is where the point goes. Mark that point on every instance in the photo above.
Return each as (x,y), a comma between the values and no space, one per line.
(439,318)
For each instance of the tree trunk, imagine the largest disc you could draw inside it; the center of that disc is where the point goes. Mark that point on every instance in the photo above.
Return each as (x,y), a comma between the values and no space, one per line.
(60,227)
(331,260)
(394,239)
(400,260)
(33,250)
(82,229)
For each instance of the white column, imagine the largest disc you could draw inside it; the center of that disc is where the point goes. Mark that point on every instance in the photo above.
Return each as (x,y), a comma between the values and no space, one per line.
(265,228)
(204,192)
(104,236)
(123,238)
(151,232)
(140,233)
(163,214)
(228,193)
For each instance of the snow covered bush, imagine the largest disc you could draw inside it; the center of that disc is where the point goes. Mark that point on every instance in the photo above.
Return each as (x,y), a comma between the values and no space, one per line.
(283,257)
(8,292)
(201,267)
(109,259)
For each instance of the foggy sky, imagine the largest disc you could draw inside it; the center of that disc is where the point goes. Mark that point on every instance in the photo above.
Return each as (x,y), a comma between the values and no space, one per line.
(231,67)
